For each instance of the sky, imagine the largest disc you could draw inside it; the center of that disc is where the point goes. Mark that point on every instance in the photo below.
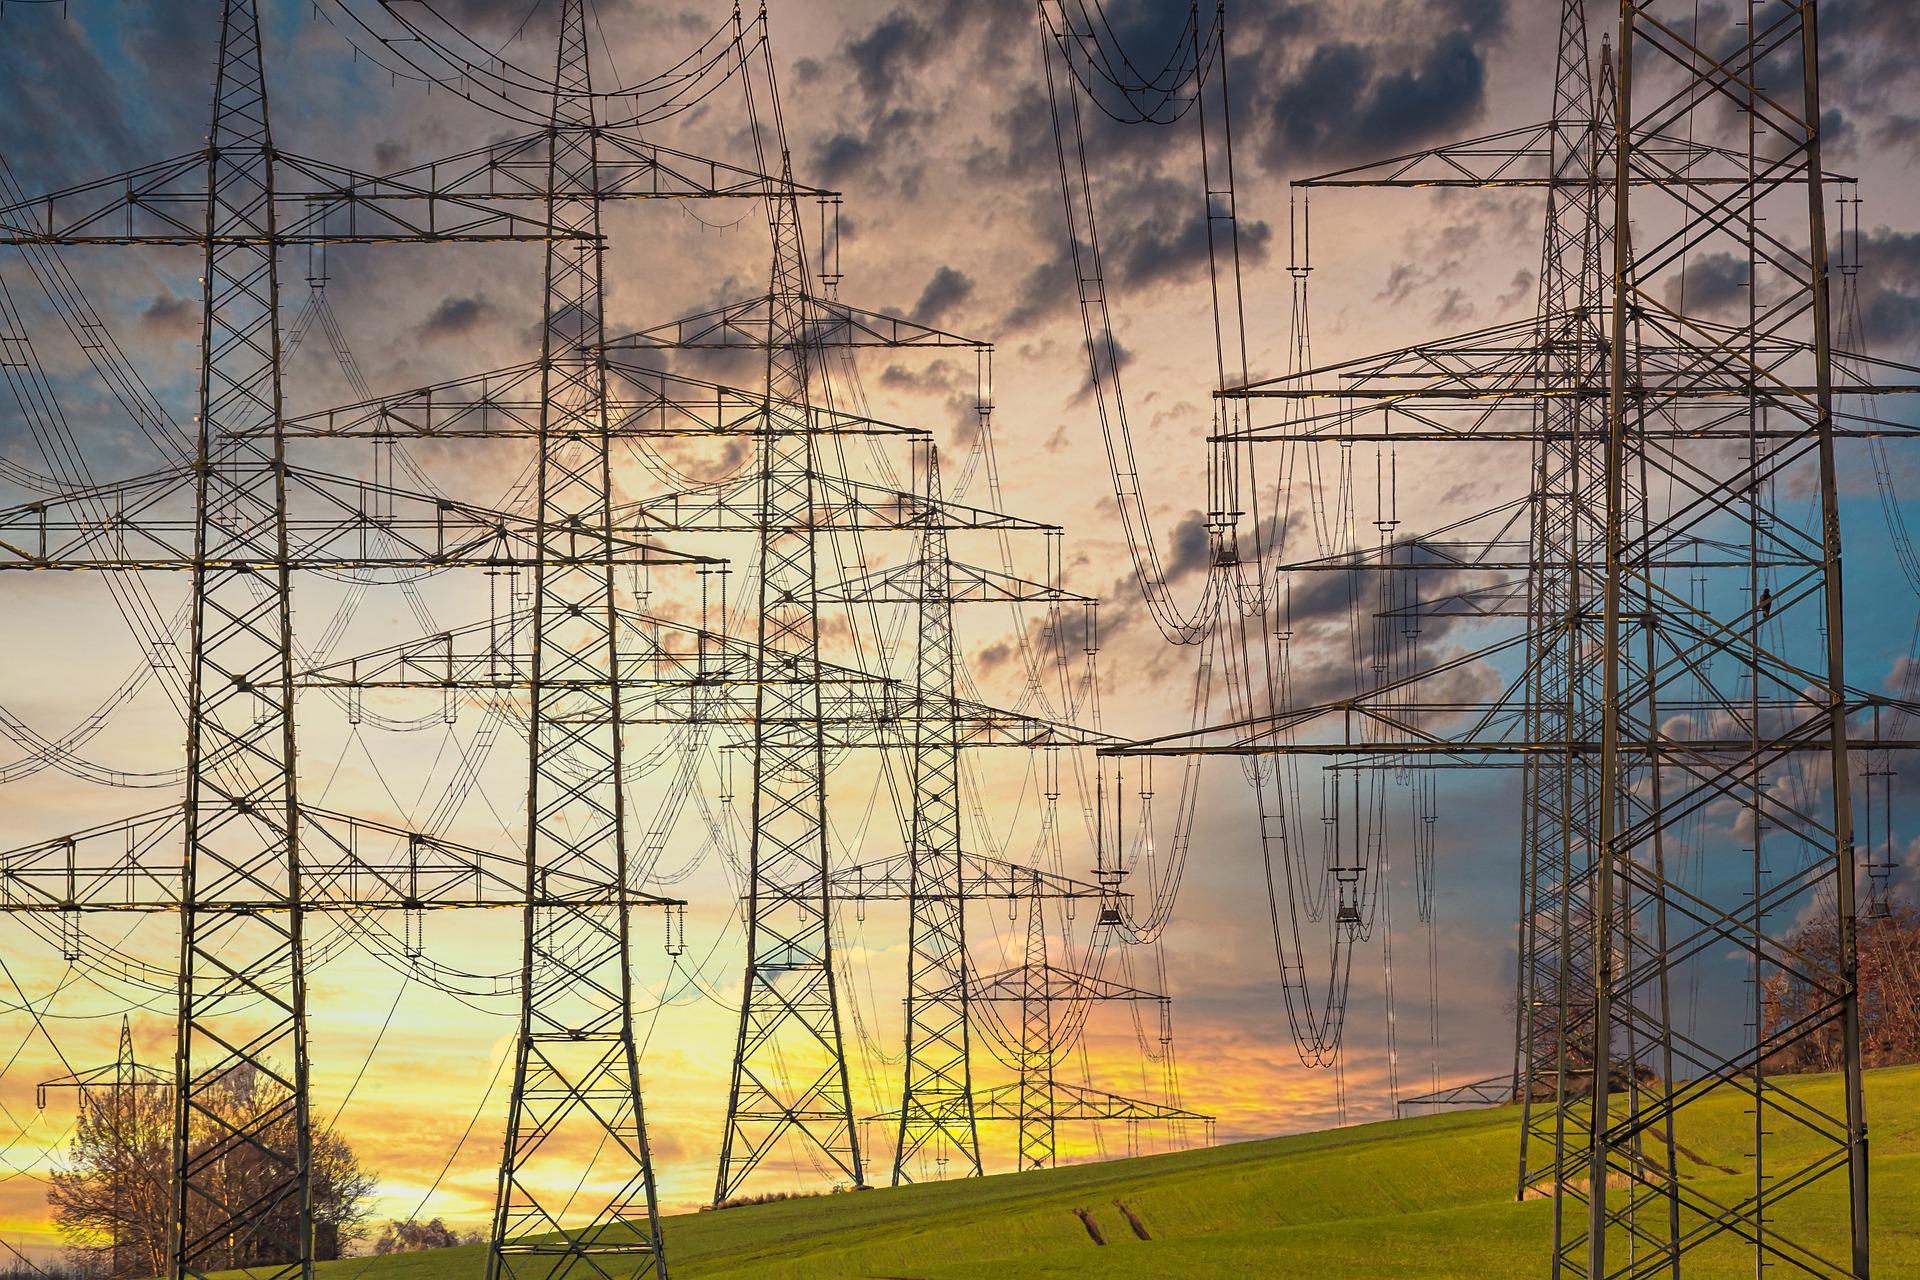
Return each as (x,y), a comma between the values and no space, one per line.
(931,119)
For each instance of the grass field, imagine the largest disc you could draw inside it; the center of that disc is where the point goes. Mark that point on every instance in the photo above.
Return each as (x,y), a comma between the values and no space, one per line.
(1427,1197)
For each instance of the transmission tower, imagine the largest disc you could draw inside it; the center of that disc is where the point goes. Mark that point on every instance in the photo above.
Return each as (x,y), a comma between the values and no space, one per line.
(937,1104)
(937,1090)
(1684,694)
(576,1080)
(789,1075)
(244,889)
(1052,1007)
(120,1080)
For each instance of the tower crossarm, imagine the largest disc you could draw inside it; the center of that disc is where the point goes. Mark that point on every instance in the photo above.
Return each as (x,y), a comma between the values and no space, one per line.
(113,1075)
(313,202)
(347,863)
(1489,385)
(623,167)
(677,673)
(890,879)
(505,404)
(493,654)
(732,506)
(345,523)
(1494,1091)
(1524,157)
(1071,1102)
(1364,727)
(747,326)
(1053,983)
(965,584)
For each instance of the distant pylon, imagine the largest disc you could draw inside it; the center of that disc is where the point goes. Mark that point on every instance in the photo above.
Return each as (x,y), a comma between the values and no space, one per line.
(1037,1050)
(937,1101)
(119,1081)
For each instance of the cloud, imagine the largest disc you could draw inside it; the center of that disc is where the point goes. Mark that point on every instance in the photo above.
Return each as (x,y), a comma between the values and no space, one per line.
(1455,308)
(900,42)
(171,317)
(1350,101)
(1889,284)
(840,155)
(1170,242)
(1713,282)
(1192,549)
(946,290)
(456,318)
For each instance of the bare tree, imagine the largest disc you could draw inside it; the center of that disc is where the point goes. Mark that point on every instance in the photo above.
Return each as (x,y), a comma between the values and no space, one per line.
(1889,949)
(115,1195)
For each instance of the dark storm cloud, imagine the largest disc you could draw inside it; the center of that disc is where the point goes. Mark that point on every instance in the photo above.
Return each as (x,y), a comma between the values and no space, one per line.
(456,318)
(1168,237)
(1153,230)
(171,317)
(1351,101)
(946,290)
(1045,291)
(1191,548)
(1890,290)
(839,156)
(908,39)
(899,44)
(1867,75)
(1715,282)
(1850,25)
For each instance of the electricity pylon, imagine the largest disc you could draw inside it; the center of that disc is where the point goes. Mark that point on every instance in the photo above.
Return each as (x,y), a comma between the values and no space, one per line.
(576,1075)
(789,1077)
(1689,509)
(937,1106)
(1053,1004)
(241,894)
(120,1081)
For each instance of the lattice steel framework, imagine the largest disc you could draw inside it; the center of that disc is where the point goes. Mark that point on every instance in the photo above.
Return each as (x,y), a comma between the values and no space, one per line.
(1037,1053)
(1558,834)
(936,1108)
(1688,800)
(790,1067)
(789,1076)
(120,1081)
(1760,649)
(241,893)
(576,1083)
(241,811)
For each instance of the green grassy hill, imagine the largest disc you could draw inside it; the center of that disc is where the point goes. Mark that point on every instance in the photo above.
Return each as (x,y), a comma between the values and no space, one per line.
(1427,1197)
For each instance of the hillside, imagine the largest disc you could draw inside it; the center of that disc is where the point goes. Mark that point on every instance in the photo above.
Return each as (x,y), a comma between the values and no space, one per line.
(1427,1197)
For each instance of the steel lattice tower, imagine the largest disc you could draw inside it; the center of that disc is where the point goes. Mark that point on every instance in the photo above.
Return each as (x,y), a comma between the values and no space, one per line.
(576,1081)
(1761,649)
(1037,1050)
(241,837)
(120,1081)
(1684,699)
(1558,821)
(256,861)
(936,1106)
(789,1013)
